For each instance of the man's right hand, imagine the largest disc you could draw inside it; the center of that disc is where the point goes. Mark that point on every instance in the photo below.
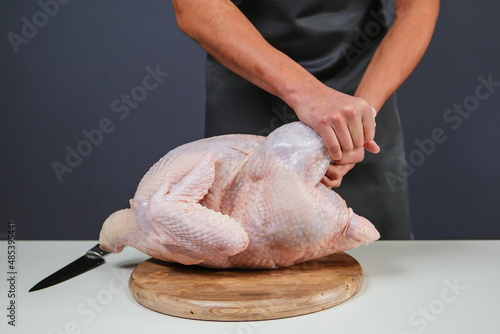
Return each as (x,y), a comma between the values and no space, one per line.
(345,123)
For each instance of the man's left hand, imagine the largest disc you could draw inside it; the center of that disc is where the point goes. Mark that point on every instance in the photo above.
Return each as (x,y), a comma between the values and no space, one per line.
(337,169)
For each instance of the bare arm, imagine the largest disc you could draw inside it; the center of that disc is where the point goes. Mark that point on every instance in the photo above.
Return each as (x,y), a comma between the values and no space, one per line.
(344,122)
(400,51)
(396,57)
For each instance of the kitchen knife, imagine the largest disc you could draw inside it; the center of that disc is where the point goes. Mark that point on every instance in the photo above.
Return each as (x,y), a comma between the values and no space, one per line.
(92,259)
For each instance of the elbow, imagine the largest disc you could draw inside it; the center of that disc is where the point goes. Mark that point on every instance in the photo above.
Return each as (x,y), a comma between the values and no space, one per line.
(182,16)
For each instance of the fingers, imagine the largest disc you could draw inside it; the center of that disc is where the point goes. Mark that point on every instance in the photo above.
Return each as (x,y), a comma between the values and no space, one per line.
(369,131)
(335,173)
(341,134)
(369,125)
(331,183)
(372,147)
(348,127)
(353,157)
(331,142)
(336,170)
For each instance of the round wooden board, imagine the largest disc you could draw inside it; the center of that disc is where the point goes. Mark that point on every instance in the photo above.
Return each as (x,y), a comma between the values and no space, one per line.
(243,295)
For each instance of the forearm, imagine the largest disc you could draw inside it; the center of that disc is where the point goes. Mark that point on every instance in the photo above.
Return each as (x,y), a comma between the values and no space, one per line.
(220,28)
(400,50)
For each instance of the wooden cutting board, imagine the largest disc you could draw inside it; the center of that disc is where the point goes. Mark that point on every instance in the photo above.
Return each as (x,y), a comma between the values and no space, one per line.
(243,295)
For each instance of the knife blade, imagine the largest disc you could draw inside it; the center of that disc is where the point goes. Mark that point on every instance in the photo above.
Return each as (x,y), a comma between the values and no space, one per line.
(92,259)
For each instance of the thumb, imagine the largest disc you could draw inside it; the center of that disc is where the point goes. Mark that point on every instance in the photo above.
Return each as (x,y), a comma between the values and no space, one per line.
(371,146)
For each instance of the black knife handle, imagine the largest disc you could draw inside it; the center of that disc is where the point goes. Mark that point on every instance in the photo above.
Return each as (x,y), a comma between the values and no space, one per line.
(96,251)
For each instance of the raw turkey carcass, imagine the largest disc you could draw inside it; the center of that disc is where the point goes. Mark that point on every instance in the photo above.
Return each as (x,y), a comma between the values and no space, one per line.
(240,201)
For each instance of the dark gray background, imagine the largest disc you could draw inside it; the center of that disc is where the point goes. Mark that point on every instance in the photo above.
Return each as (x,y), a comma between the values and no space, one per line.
(65,78)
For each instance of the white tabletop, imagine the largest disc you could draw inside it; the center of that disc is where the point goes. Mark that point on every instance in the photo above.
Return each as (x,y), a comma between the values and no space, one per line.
(409,287)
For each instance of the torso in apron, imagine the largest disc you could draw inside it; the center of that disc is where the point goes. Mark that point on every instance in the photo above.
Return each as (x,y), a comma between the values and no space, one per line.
(334,40)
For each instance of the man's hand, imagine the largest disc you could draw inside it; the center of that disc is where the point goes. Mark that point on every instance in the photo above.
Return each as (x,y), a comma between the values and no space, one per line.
(345,123)
(337,169)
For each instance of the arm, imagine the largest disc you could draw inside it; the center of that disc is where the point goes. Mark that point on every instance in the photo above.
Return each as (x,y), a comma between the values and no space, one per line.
(396,57)
(344,122)
(400,51)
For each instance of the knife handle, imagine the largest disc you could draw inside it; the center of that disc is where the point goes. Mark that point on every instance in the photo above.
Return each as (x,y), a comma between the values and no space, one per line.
(96,251)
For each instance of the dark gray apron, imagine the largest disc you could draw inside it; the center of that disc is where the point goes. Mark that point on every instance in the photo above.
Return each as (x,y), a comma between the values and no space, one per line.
(334,40)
